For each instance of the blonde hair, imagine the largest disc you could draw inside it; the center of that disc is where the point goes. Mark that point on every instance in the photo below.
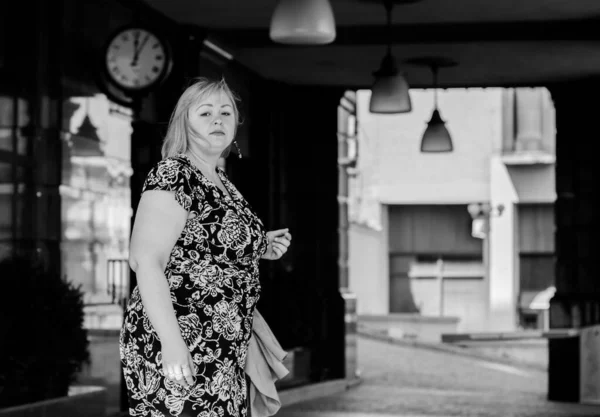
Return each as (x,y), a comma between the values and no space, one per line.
(179,131)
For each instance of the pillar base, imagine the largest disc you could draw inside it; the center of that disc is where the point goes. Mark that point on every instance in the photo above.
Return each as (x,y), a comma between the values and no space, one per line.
(350,319)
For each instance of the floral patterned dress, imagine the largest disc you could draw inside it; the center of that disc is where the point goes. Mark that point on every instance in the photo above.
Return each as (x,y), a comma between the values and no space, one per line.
(213,280)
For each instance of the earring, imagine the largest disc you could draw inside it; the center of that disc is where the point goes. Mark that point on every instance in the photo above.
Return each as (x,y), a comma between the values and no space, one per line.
(238,149)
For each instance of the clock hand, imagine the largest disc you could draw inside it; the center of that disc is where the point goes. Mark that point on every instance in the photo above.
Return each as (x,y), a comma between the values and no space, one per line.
(136,41)
(139,49)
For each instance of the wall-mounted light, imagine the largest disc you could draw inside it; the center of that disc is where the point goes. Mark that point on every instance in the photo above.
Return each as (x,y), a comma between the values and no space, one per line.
(481,214)
(477,210)
(217,49)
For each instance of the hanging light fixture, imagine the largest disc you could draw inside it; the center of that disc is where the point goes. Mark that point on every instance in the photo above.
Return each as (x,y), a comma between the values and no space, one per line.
(303,22)
(390,91)
(436,137)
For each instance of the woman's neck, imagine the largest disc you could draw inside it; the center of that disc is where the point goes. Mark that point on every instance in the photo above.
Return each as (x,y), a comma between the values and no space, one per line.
(202,162)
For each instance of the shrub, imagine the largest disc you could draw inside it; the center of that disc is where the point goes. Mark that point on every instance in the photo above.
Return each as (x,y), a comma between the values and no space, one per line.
(42,340)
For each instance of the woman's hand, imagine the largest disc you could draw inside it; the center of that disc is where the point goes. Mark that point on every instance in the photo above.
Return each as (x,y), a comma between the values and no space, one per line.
(278,243)
(177,362)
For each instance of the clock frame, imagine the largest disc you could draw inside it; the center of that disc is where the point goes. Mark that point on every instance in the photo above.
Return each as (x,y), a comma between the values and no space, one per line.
(135,60)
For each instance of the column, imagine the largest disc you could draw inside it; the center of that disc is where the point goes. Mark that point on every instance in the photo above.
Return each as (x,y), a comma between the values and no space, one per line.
(37,64)
(503,281)
(577,299)
(529,121)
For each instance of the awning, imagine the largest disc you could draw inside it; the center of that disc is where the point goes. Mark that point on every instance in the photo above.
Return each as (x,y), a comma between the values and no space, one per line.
(536,300)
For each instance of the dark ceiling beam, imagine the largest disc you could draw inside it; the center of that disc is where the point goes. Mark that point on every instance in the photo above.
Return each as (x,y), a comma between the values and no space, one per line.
(575,30)
(467,83)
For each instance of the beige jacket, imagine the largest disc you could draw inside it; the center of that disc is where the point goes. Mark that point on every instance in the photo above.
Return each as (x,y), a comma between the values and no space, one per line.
(264,366)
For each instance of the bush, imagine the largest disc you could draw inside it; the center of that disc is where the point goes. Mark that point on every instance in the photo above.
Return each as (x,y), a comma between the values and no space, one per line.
(42,340)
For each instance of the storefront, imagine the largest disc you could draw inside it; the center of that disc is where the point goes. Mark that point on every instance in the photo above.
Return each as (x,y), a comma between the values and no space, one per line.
(74,152)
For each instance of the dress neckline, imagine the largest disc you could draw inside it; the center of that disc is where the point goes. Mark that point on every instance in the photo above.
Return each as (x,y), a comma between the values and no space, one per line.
(229,187)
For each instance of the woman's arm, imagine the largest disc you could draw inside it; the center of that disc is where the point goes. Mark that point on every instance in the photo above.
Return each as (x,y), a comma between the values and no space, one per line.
(158,223)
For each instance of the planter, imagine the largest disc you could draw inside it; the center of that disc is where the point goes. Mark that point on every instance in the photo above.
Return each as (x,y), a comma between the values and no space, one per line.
(297,362)
(88,401)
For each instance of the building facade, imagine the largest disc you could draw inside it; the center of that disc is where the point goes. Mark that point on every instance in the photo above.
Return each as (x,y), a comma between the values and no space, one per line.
(467,234)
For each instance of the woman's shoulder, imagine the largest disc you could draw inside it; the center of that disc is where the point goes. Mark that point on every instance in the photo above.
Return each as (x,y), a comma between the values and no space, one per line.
(172,173)
(175,163)
(170,169)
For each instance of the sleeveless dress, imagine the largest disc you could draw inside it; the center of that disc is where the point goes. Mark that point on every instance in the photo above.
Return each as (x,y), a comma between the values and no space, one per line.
(214,286)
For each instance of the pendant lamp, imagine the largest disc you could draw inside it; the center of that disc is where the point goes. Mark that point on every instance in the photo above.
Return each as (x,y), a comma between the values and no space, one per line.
(390,91)
(436,137)
(303,22)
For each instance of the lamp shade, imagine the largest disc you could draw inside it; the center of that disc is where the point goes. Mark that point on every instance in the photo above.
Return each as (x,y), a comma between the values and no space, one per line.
(303,22)
(390,94)
(436,137)
(390,91)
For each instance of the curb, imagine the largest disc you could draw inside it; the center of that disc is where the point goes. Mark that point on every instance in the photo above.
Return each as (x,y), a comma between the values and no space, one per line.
(440,347)
(317,390)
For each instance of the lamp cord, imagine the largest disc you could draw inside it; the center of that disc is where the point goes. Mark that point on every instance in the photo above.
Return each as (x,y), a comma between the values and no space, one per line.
(434,70)
(388,4)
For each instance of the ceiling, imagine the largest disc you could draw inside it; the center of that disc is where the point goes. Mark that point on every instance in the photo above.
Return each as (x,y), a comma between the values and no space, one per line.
(494,42)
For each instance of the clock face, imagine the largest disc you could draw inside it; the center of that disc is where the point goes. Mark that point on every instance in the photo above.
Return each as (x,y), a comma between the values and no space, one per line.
(136,59)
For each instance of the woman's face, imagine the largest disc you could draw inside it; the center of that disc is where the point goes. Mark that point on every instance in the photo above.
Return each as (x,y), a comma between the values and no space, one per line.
(212,121)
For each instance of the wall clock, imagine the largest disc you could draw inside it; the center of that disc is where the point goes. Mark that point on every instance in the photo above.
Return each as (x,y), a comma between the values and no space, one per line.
(136,60)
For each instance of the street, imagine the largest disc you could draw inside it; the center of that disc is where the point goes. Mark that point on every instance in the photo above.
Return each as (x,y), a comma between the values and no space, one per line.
(412,382)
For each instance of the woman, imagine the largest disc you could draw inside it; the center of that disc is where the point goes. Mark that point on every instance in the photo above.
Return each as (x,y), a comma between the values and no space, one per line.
(195,248)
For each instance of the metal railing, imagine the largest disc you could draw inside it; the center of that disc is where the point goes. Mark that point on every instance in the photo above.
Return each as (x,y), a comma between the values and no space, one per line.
(117,280)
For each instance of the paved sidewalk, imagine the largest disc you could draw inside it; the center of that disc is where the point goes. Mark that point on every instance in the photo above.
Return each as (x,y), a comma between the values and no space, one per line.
(451,348)
(407,381)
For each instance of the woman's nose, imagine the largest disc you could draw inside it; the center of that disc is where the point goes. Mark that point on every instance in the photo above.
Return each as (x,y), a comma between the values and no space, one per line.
(218,121)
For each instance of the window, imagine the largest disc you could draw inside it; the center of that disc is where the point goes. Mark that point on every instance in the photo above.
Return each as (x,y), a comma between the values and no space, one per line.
(536,271)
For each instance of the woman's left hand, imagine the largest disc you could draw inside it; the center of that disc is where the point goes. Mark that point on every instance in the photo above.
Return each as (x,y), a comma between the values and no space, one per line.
(278,243)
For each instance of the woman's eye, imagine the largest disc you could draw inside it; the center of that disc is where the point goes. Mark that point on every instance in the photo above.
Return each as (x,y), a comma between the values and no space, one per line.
(226,113)
(205,114)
